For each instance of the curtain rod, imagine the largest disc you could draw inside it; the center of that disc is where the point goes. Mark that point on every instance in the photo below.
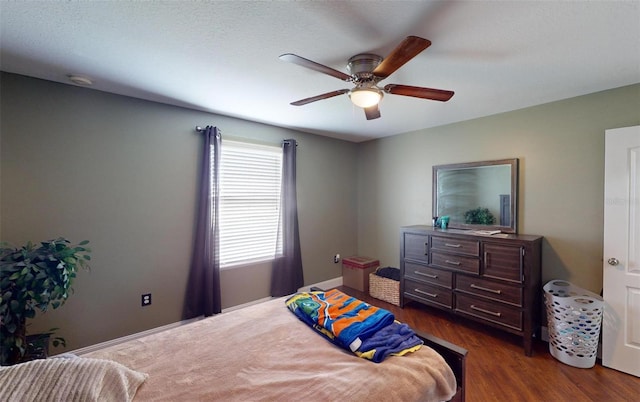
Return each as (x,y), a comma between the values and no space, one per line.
(200,129)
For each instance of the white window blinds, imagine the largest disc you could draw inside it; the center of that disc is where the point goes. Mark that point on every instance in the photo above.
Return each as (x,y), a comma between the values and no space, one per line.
(250,181)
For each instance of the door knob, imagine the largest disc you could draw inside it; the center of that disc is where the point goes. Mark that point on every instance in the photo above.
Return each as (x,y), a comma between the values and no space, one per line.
(613,261)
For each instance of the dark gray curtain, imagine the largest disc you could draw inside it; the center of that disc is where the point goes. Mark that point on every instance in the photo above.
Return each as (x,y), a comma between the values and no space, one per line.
(203,288)
(286,276)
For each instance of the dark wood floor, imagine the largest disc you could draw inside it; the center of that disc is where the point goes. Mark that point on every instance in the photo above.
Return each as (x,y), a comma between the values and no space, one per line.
(498,370)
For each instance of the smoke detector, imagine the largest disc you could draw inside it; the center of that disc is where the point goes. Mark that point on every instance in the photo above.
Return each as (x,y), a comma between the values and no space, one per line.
(80,80)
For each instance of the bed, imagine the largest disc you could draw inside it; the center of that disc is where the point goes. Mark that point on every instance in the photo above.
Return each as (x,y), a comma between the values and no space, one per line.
(265,353)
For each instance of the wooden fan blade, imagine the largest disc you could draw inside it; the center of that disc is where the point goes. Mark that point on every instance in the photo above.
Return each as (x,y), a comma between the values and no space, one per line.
(405,51)
(419,92)
(372,112)
(301,61)
(320,97)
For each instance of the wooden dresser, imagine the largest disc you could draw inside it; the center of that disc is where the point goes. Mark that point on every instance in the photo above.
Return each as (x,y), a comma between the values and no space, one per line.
(490,279)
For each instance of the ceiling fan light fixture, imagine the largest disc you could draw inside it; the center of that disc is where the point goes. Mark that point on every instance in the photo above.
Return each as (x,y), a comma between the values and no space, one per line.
(365,97)
(366,71)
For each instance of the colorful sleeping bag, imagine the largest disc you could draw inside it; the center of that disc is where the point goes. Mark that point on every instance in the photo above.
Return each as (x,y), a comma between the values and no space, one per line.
(368,331)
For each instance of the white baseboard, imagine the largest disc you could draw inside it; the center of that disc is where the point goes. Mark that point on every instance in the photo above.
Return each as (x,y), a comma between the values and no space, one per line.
(331,283)
(243,305)
(112,342)
(544,334)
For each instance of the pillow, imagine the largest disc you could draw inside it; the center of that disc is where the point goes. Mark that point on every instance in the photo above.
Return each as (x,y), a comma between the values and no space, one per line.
(69,379)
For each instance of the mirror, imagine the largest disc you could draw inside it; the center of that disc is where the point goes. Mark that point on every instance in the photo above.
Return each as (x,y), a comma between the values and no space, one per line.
(477,195)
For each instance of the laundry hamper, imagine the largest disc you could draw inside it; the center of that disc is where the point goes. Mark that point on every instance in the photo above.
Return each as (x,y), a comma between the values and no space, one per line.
(574,316)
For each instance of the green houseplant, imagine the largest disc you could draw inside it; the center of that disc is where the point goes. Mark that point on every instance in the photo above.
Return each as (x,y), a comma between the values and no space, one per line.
(32,278)
(479,216)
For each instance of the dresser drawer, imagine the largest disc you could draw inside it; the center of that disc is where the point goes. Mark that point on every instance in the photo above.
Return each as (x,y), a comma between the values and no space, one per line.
(494,280)
(469,247)
(502,262)
(497,291)
(428,293)
(426,274)
(457,262)
(416,246)
(490,311)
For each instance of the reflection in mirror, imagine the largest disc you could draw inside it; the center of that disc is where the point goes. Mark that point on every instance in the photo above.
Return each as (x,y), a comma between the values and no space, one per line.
(477,195)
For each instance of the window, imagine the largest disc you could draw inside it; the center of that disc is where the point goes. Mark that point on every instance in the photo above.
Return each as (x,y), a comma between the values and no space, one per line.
(249,202)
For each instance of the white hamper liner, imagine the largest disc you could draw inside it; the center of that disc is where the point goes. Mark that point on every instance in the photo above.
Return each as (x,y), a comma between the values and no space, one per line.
(574,316)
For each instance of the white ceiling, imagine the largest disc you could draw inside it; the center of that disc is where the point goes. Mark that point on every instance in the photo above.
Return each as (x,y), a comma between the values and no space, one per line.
(222,57)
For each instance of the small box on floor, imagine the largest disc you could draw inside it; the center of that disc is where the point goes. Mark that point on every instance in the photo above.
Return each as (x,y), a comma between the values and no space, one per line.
(356,270)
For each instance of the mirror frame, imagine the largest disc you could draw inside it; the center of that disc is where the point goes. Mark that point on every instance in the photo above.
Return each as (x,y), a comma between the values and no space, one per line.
(513,163)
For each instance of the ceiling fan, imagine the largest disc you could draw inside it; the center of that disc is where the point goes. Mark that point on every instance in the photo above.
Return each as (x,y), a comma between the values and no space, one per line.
(367,70)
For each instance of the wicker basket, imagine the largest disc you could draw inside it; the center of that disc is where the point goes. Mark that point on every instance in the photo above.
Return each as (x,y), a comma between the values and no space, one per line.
(384,289)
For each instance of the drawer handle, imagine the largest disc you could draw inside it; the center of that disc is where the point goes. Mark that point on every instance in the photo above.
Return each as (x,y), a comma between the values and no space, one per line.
(453,245)
(425,293)
(426,248)
(452,262)
(474,286)
(493,313)
(427,275)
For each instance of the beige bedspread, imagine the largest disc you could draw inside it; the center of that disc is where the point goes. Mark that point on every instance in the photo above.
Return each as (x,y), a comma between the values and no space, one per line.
(264,353)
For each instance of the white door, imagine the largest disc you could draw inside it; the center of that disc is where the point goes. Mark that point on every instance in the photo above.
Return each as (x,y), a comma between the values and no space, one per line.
(621,322)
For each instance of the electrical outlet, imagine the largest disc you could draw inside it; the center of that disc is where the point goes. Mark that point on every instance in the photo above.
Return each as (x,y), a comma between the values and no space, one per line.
(336,258)
(146,299)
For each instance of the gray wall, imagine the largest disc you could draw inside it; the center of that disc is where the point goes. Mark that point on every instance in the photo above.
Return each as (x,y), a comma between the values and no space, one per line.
(122,173)
(561,150)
